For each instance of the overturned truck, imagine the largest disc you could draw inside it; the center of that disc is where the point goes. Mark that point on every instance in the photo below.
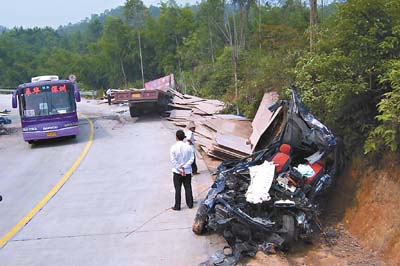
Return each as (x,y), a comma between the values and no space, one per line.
(269,199)
(154,97)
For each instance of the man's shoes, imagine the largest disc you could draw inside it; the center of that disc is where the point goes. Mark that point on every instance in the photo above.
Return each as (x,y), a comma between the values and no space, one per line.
(175,209)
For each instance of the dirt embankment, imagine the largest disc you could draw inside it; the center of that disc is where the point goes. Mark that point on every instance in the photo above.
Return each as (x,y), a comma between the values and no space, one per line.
(368,198)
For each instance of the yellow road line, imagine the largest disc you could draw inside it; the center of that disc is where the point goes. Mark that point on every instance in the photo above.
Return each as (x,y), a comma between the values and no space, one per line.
(52,192)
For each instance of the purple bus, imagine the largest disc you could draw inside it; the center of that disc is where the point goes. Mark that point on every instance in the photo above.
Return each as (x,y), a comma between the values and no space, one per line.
(47,108)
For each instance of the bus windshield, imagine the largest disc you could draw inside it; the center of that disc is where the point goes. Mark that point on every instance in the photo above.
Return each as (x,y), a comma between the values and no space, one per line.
(47,100)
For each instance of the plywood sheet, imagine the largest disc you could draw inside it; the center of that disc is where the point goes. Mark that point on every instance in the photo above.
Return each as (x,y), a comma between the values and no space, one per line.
(180,113)
(202,141)
(209,108)
(234,143)
(230,153)
(188,101)
(263,117)
(177,94)
(231,117)
(198,111)
(240,128)
(180,106)
(215,102)
(204,131)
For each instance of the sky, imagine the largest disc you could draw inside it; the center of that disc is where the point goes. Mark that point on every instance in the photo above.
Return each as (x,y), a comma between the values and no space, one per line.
(55,13)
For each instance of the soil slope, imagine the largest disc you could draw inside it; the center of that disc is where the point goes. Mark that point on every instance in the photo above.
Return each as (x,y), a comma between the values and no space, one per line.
(373,215)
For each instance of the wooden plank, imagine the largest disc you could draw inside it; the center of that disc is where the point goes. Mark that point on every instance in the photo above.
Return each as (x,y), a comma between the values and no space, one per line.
(180,106)
(211,126)
(180,113)
(228,152)
(234,143)
(222,155)
(215,102)
(256,139)
(187,101)
(179,124)
(263,116)
(204,131)
(204,149)
(231,117)
(209,108)
(240,128)
(192,97)
(176,93)
(198,111)
(203,141)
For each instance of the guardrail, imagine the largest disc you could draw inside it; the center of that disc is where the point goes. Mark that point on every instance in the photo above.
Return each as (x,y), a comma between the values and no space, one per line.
(7,90)
(89,93)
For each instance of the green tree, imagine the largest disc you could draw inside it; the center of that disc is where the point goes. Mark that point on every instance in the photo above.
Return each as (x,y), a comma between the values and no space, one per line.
(136,13)
(344,77)
(115,44)
(387,134)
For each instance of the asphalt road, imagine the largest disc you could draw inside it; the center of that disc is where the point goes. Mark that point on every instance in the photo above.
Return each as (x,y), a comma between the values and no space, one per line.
(113,209)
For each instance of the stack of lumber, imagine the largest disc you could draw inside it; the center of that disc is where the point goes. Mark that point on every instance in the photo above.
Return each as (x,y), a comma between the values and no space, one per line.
(225,138)
(221,136)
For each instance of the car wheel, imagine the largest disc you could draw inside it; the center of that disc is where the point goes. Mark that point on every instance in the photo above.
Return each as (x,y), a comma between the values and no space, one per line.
(289,227)
(200,221)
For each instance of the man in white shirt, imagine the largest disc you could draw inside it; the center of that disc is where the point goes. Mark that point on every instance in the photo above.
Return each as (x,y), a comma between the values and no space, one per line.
(108,92)
(190,140)
(182,158)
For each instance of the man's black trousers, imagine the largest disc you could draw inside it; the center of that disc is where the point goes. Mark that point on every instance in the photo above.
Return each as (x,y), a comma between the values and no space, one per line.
(187,183)
(194,166)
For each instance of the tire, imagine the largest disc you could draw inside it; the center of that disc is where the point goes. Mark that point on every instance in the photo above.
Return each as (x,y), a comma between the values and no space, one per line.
(133,112)
(289,227)
(200,221)
(30,141)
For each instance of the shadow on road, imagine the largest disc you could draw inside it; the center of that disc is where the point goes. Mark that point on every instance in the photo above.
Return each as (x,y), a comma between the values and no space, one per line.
(149,117)
(46,143)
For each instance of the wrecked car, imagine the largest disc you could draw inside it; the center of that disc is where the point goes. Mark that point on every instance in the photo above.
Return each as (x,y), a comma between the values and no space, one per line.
(269,200)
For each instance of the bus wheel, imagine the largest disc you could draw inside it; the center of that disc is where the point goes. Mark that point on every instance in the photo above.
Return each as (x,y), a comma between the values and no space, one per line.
(30,141)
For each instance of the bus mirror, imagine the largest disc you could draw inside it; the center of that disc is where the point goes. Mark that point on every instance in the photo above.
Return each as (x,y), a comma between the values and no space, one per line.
(14,99)
(77,95)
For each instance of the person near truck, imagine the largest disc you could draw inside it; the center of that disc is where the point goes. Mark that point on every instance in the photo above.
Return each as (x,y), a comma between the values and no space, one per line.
(190,140)
(182,157)
(108,92)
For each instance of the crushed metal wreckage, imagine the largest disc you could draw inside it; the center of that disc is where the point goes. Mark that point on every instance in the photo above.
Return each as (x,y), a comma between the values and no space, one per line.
(4,121)
(269,200)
